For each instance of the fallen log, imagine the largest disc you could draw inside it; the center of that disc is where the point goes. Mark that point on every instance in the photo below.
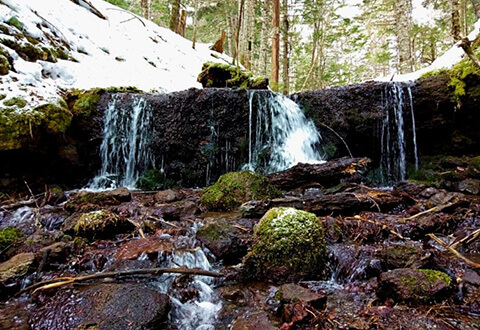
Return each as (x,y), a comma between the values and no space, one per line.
(342,203)
(61,281)
(327,174)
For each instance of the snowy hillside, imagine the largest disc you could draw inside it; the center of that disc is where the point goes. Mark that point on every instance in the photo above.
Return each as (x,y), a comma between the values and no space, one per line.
(56,44)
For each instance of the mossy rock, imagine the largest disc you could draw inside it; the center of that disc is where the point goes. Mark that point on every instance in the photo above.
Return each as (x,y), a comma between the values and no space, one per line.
(19,128)
(88,201)
(14,21)
(224,240)
(289,245)
(414,286)
(4,65)
(83,102)
(226,75)
(101,224)
(8,236)
(474,167)
(235,188)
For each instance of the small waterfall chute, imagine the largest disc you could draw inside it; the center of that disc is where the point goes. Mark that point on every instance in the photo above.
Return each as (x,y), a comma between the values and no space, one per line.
(398,101)
(280,136)
(124,150)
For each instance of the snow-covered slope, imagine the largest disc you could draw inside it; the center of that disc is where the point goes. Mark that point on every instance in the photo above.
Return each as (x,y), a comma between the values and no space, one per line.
(121,50)
(451,57)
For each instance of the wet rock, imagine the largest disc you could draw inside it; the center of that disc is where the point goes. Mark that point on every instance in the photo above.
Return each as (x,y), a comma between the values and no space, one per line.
(400,256)
(16,267)
(253,321)
(176,211)
(23,218)
(151,245)
(409,187)
(168,196)
(413,286)
(224,240)
(106,306)
(12,271)
(469,289)
(54,195)
(350,263)
(327,174)
(98,224)
(293,293)
(52,218)
(234,188)
(87,200)
(288,245)
(469,186)
(56,252)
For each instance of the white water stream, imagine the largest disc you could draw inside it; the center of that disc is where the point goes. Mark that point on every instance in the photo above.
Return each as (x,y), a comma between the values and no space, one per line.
(280,136)
(398,101)
(124,150)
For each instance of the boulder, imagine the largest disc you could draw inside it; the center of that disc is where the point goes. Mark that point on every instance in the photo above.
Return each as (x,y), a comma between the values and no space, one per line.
(105,306)
(101,224)
(88,201)
(412,286)
(235,188)
(288,245)
(224,240)
(168,196)
(253,321)
(12,272)
(177,210)
(151,245)
(225,75)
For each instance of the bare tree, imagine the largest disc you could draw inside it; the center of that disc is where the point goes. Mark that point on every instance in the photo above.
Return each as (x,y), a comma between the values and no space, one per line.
(265,38)
(286,64)
(276,42)
(145,5)
(175,15)
(403,25)
(455,12)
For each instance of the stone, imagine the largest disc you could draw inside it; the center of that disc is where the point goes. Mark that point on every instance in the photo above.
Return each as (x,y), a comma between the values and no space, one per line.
(167,196)
(290,292)
(288,245)
(412,286)
(253,321)
(469,186)
(134,248)
(235,188)
(176,211)
(88,201)
(16,267)
(224,240)
(101,224)
(105,306)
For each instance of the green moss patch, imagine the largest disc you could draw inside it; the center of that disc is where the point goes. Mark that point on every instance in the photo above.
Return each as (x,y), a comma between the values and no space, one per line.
(289,244)
(226,75)
(8,236)
(18,128)
(101,223)
(235,188)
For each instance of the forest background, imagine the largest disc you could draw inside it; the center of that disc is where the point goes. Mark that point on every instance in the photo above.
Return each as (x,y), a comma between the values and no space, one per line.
(313,44)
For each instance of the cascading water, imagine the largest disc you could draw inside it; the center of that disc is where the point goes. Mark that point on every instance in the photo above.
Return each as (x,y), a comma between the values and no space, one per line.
(393,142)
(124,150)
(279,136)
(201,312)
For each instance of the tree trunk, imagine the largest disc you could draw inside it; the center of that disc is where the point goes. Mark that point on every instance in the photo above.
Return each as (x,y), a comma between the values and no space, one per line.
(265,39)
(276,43)
(182,23)
(327,174)
(403,22)
(195,24)
(175,15)
(456,28)
(145,5)
(476,8)
(286,64)
(237,31)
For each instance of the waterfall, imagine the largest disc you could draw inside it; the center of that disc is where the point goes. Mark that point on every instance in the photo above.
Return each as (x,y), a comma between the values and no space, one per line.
(279,134)
(393,141)
(124,150)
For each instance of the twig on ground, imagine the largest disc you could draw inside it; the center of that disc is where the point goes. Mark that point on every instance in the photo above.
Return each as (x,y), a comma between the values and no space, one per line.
(455,252)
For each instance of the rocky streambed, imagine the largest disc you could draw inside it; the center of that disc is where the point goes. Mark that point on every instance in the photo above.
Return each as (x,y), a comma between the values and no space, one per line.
(403,257)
